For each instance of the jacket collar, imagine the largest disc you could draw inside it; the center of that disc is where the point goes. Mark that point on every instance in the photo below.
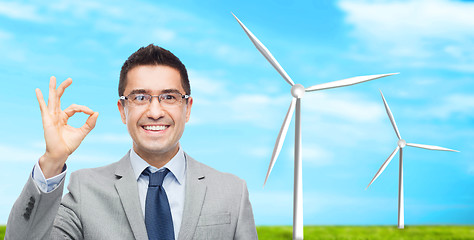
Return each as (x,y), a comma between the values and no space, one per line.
(126,186)
(194,198)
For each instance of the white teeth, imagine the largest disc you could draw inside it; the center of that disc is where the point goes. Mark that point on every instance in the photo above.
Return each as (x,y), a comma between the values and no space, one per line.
(155,128)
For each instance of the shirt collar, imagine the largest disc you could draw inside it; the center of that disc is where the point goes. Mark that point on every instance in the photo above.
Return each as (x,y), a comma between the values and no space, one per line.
(177,165)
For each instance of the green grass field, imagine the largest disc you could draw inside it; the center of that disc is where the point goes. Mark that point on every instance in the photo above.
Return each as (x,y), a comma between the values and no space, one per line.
(369,232)
(361,233)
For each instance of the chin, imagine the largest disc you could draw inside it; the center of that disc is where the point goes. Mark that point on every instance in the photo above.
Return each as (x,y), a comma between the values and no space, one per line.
(157,149)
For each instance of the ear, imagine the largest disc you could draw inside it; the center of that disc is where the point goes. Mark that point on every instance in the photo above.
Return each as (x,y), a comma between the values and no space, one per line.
(121,109)
(188,108)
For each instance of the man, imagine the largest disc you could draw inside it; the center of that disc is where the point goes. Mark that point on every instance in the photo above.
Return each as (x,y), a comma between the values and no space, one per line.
(156,191)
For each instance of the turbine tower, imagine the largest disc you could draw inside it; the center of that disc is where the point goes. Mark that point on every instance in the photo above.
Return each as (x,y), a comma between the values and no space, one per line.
(297,91)
(400,145)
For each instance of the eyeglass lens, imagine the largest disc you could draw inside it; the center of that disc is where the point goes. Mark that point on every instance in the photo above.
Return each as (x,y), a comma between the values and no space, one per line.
(165,98)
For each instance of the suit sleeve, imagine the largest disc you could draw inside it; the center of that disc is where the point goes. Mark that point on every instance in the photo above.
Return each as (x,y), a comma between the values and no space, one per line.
(40,215)
(246,229)
(33,212)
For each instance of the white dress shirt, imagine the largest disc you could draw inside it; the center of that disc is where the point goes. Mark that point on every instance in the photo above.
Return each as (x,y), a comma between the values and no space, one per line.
(174,183)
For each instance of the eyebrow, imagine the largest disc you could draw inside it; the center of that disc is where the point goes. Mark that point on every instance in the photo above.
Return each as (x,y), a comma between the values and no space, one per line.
(135,91)
(169,90)
(172,90)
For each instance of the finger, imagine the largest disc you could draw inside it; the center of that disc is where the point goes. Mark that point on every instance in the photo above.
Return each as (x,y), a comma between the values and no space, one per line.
(74,108)
(41,102)
(63,87)
(52,94)
(90,123)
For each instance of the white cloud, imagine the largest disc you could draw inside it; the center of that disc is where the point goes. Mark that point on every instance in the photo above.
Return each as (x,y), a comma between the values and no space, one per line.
(30,153)
(14,154)
(321,112)
(20,11)
(313,155)
(461,104)
(316,205)
(83,9)
(317,156)
(127,24)
(319,202)
(345,105)
(436,30)
(259,152)
(5,35)
(256,109)
(91,158)
(207,84)
(216,102)
(266,202)
(231,54)
(164,35)
(470,169)
(412,20)
(452,106)
(109,138)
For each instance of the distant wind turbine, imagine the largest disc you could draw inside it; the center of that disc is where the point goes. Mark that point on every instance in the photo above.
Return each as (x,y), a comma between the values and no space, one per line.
(401,144)
(297,91)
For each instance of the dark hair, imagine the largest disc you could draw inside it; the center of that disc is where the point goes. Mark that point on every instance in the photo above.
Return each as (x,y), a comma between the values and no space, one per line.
(153,55)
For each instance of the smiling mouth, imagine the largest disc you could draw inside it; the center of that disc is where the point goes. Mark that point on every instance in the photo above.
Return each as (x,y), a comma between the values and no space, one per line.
(155,128)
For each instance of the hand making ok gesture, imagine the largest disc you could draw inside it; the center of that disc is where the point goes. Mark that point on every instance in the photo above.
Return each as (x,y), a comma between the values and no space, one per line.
(61,139)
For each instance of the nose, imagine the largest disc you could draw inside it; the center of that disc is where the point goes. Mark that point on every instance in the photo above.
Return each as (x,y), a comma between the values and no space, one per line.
(155,110)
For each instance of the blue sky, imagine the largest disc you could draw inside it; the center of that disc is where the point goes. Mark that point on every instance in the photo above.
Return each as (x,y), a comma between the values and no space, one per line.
(240,100)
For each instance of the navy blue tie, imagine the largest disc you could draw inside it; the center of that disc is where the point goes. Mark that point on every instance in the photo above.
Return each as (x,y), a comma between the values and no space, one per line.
(158,219)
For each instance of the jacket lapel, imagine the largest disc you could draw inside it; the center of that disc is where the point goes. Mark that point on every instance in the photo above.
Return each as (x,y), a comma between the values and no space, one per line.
(127,190)
(193,200)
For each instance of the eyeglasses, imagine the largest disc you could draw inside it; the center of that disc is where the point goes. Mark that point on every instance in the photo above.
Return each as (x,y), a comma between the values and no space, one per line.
(165,99)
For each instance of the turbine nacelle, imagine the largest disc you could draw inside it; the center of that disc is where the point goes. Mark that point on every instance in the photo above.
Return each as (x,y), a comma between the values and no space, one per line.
(297,91)
(402,143)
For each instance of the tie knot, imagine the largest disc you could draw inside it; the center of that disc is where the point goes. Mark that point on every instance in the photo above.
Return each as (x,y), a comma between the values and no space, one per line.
(156,178)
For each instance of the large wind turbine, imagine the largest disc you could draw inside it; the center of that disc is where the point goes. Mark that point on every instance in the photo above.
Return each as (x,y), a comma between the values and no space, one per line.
(297,91)
(401,144)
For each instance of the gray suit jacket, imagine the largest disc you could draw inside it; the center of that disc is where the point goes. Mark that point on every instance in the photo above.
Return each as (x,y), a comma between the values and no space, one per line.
(103,203)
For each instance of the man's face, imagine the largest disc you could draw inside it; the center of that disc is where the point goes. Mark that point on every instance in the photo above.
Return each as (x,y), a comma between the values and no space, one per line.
(154,129)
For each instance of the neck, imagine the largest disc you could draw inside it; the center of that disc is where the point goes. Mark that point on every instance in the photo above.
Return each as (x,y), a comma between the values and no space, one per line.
(156,159)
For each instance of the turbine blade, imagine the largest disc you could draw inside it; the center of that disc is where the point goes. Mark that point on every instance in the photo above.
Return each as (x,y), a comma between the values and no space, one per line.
(430,147)
(281,137)
(265,53)
(346,82)
(390,115)
(384,165)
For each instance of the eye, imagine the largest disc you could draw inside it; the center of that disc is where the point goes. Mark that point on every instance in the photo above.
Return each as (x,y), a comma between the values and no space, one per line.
(169,97)
(139,97)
